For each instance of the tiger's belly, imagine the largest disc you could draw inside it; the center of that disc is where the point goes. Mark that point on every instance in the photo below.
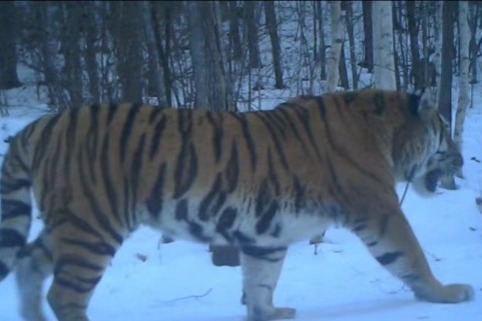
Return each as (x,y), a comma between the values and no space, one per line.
(239,225)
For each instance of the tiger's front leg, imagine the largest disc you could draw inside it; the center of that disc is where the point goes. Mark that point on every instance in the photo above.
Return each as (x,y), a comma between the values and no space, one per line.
(261,269)
(391,241)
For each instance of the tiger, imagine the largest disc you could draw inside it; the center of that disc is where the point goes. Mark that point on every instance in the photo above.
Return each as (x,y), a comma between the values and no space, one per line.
(259,180)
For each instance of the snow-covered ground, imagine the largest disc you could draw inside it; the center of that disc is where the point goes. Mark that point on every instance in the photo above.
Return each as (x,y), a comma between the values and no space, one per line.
(151,281)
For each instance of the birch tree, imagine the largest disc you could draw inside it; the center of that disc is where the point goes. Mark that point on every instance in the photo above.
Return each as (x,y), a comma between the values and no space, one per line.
(437,58)
(445,85)
(333,58)
(464,89)
(383,55)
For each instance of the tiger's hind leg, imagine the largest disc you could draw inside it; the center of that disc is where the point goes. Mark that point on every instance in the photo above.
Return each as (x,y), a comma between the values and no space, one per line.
(34,265)
(80,253)
(261,269)
(391,241)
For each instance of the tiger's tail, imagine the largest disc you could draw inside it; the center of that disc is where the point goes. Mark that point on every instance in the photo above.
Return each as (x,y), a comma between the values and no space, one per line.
(16,207)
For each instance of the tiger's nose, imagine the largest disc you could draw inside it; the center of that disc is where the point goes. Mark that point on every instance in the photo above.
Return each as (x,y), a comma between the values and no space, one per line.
(458,160)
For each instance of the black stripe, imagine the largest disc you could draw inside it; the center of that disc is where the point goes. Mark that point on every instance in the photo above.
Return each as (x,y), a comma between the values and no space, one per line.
(264,253)
(304,117)
(93,135)
(12,184)
(130,199)
(274,137)
(11,238)
(73,219)
(299,194)
(242,238)
(156,137)
(13,208)
(99,248)
(42,144)
(389,258)
(263,198)
(186,170)
(379,102)
(248,138)
(111,111)
(100,215)
(218,133)
(71,279)
(287,117)
(78,284)
(16,153)
(273,179)
(109,187)
(336,147)
(135,172)
(196,230)
(226,219)
(232,169)
(349,97)
(70,138)
(129,124)
(153,115)
(155,198)
(214,200)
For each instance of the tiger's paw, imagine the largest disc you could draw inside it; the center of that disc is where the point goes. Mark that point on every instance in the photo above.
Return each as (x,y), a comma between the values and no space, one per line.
(452,293)
(274,314)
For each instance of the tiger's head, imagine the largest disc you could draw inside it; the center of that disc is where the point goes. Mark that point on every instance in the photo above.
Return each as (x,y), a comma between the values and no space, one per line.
(423,148)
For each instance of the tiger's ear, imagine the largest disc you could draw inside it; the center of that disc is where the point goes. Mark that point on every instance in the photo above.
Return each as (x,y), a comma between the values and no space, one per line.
(427,105)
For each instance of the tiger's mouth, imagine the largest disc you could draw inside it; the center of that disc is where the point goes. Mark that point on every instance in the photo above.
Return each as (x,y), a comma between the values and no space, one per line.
(431,179)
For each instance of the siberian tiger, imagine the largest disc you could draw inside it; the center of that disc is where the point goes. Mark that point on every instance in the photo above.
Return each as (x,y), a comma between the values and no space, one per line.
(258,180)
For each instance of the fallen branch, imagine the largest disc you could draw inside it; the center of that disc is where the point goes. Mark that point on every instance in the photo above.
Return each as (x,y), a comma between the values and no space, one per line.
(194,296)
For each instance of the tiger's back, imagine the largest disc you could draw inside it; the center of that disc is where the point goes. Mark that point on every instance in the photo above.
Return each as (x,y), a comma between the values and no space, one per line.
(259,180)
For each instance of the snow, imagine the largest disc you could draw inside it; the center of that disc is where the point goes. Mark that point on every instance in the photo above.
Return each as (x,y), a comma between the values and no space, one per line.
(177,281)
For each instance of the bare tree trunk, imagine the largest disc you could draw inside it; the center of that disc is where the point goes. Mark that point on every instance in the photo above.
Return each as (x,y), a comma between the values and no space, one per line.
(401,45)
(162,12)
(333,58)
(235,38)
(128,42)
(251,23)
(154,60)
(437,59)
(58,98)
(413,27)
(70,37)
(368,35)
(91,34)
(475,11)
(383,55)
(351,40)
(272,27)
(8,55)
(464,89)
(342,70)
(212,91)
(321,48)
(445,86)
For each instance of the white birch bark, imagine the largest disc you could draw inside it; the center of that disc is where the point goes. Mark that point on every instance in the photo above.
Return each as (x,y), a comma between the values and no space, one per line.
(383,55)
(464,88)
(333,58)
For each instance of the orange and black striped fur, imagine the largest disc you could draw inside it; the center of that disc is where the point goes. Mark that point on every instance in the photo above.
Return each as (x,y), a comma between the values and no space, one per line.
(259,180)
